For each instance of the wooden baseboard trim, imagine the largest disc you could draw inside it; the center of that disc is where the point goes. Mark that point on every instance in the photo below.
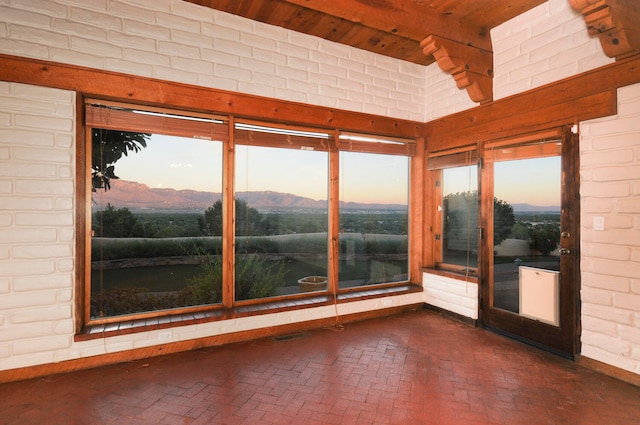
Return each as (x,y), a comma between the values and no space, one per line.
(452,315)
(31,372)
(606,369)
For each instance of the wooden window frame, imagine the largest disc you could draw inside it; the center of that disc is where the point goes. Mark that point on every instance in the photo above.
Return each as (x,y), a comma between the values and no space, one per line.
(97,114)
(436,163)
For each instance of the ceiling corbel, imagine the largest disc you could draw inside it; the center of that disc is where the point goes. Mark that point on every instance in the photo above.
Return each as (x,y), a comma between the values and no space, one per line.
(615,22)
(471,67)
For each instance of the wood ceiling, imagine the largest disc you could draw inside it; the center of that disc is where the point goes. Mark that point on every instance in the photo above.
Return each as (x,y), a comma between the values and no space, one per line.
(392,28)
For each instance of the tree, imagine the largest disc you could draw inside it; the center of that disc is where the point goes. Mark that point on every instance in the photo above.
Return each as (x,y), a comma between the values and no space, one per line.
(108,146)
(503,220)
(544,238)
(114,223)
(461,210)
(249,221)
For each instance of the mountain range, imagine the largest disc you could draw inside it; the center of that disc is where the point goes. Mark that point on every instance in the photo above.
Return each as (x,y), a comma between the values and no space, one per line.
(138,196)
(535,208)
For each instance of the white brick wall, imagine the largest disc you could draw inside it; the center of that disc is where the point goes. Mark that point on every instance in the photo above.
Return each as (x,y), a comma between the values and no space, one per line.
(443,96)
(453,295)
(610,188)
(179,41)
(37,209)
(545,44)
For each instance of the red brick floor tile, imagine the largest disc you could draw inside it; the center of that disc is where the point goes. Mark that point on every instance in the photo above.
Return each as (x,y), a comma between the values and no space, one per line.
(405,369)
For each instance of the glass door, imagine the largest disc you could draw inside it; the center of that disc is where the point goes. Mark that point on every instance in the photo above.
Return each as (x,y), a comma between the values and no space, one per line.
(531,235)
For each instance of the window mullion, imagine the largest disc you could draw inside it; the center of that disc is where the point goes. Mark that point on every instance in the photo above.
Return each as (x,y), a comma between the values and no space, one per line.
(228,218)
(334,213)
(438,223)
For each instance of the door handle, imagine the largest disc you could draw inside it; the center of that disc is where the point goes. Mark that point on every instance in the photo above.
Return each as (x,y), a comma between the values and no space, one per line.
(564,251)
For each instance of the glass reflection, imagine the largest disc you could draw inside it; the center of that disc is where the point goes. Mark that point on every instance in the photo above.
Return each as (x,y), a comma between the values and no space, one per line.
(150,246)
(373,219)
(526,224)
(281,221)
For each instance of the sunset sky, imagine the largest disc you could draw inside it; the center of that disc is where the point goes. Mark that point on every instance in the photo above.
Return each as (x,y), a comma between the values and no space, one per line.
(184,163)
(530,181)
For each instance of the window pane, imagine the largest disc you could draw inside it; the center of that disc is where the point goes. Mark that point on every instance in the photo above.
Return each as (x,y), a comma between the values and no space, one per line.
(281,221)
(460,216)
(373,219)
(526,226)
(151,247)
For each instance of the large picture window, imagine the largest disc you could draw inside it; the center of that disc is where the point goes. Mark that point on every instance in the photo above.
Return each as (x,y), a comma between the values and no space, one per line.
(198,212)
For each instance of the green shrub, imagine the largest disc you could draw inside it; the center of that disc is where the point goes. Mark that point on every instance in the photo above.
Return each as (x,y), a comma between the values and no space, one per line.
(256,277)
(152,248)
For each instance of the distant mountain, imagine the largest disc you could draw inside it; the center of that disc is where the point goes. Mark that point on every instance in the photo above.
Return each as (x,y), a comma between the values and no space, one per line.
(534,208)
(138,196)
(134,195)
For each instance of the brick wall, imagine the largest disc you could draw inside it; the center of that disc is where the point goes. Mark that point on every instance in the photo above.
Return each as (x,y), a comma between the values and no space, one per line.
(450,294)
(443,96)
(37,144)
(179,41)
(545,44)
(610,260)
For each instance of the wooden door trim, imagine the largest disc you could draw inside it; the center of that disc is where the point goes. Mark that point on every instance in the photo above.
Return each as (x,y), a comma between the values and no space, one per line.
(562,340)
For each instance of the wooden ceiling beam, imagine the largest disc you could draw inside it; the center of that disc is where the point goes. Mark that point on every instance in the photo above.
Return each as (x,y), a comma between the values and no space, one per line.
(615,22)
(402,18)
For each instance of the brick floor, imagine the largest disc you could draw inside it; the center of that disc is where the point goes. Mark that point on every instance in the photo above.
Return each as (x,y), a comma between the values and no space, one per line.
(413,368)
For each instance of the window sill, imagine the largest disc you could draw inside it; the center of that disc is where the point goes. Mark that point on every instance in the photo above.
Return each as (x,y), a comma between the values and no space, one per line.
(146,325)
(453,274)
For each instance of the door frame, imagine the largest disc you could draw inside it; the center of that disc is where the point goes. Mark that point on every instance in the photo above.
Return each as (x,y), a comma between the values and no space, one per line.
(563,340)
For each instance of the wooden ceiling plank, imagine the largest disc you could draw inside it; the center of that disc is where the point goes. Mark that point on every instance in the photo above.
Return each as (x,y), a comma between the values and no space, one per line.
(401,22)
(405,19)
(334,28)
